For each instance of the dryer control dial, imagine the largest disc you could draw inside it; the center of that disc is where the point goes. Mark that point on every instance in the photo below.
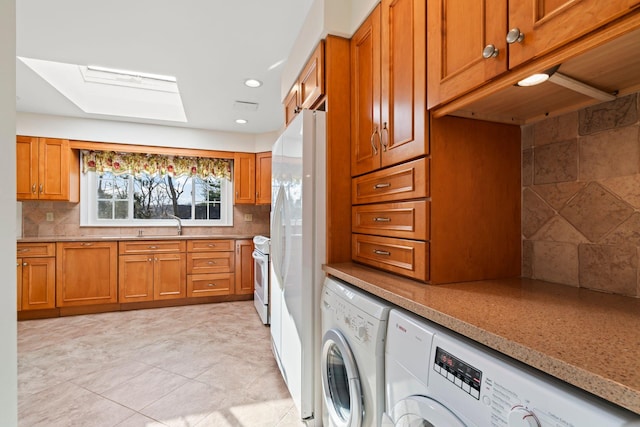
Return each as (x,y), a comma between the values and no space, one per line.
(522,417)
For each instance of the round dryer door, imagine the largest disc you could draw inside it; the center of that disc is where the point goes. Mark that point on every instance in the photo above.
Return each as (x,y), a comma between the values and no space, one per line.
(341,388)
(421,411)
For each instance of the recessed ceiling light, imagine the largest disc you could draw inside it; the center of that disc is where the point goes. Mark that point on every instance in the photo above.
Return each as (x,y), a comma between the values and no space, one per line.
(253,83)
(241,121)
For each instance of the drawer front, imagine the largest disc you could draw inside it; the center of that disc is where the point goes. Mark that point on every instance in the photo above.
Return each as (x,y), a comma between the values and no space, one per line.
(210,262)
(211,245)
(406,181)
(409,220)
(207,285)
(148,246)
(36,249)
(405,257)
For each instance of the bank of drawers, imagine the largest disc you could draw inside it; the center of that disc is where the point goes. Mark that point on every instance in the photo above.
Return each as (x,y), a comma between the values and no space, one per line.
(388,234)
(210,267)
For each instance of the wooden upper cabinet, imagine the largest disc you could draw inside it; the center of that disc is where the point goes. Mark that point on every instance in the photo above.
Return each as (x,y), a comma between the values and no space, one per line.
(468,40)
(86,273)
(47,169)
(244,178)
(458,33)
(263,178)
(309,89)
(388,81)
(548,24)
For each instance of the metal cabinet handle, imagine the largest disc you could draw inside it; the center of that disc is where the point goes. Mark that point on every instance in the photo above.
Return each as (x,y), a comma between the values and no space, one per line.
(24,250)
(373,142)
(515,36)
(385,130)
(381,185)
(379,252)
(211,262)
(33,189)
(86,244)
(41,188)
(211,285)
(211,245)
(381,219)
(153,247)
(490,51)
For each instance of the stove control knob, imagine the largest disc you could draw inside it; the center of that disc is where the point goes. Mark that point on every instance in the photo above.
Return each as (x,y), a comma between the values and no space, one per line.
(522,417)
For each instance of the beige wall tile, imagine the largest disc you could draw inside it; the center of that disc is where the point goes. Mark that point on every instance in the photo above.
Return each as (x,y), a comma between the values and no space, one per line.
(595,211)
(556,262)
(527,167)
(557,229)
(527,258)
(535,212)
(628,233)
(557,195)
(609,115)
(555,129)
(556,162)
(609,268)
(609,154)
(625,187)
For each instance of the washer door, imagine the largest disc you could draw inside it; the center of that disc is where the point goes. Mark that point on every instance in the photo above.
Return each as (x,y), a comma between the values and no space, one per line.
(341,388)
(421,411)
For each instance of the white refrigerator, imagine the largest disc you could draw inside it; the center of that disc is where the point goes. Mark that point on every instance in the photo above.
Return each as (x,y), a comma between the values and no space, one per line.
(298,235)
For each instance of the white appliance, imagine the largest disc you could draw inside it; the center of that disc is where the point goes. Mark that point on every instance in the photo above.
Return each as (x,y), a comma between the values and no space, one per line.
(297,253)
(354,326)
(437,378)
(261,273)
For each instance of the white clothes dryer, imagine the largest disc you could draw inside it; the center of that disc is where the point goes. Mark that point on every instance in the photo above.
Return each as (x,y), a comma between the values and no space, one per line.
(436,378)
(354,325)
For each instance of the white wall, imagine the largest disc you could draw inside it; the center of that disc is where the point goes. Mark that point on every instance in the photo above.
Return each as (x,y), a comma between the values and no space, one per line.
(138,133)
(8,324)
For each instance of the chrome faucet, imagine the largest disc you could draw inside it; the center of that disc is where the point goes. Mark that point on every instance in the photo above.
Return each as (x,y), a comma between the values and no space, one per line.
(179,223)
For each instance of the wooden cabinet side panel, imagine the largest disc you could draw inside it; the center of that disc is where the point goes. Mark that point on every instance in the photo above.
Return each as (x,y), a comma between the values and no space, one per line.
(38,283)
(475,200)
(404,132)
(26,168)
(338,173)
(19,283)
(263,178)
(244,267)
(170,276)
(86,273)
(244,178)
(457,33)
(365,96)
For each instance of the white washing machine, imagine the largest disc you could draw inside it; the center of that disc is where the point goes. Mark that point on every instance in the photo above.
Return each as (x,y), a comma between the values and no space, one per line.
(354,325)
(435,378)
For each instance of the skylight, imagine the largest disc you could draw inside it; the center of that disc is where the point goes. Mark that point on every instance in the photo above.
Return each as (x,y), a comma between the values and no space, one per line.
(106,91)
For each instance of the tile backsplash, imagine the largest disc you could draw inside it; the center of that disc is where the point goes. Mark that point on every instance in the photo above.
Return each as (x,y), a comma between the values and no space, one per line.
(581,198)
(66,222)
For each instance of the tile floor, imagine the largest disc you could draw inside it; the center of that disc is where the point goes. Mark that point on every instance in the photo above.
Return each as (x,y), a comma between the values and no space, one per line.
(203,365)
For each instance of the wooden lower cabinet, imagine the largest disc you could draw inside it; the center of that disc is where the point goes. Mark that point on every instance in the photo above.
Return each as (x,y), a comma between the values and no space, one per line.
(86,273)
(36,283)
(19,283)
(207,285)
(151,271)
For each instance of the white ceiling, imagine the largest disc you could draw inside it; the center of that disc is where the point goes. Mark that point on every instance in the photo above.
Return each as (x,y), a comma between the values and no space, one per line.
(211,46)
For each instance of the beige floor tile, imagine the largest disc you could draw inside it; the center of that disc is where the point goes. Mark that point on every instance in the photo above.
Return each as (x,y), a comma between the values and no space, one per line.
(111,375)
(139,420)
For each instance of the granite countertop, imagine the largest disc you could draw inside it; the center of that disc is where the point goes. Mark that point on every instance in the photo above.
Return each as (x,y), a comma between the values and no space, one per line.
(92,238)
(586,338)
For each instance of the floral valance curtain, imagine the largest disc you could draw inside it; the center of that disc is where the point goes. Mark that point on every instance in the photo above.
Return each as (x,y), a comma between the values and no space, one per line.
(152,164)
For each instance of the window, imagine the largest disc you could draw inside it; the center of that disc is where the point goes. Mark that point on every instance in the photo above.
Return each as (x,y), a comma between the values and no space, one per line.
(111,197)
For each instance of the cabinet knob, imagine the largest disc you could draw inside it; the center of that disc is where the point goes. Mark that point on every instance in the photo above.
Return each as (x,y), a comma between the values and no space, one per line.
(150,259)
(25,264)
(515,36)
(490,51)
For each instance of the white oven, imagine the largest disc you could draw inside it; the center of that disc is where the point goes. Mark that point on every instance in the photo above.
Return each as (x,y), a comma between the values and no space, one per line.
(261,277)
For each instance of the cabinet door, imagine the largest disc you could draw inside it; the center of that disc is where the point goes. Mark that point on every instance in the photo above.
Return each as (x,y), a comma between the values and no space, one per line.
(263,178)
(38,283)
(457,32)
(169,276)
(548,24)
(404,135)
(365,96)
(53,172)
(26,168)
(86,273)
(244,267)
(311,81)
(244,177)
(135,278)
(291,104)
